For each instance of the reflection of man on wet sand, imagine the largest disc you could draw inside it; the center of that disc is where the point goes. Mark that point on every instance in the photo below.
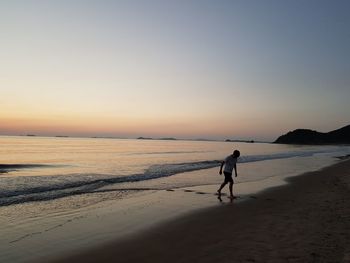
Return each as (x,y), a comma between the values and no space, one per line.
(230,164)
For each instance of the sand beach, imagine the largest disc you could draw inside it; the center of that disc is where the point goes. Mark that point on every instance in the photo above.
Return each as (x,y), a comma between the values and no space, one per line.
(307,220)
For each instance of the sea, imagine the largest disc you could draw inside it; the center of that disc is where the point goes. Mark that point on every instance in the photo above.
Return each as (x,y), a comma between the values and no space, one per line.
(59,193)
(47,168)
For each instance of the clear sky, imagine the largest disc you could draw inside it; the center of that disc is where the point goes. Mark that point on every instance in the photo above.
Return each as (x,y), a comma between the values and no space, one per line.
(186,69)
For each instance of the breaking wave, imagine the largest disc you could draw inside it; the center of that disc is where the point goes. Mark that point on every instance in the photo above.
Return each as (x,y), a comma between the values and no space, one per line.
(15,190)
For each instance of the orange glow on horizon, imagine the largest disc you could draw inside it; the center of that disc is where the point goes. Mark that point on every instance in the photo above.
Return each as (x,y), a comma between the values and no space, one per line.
(127,127)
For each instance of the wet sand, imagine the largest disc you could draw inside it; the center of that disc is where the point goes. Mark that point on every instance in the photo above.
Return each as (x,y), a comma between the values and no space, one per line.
(307,220)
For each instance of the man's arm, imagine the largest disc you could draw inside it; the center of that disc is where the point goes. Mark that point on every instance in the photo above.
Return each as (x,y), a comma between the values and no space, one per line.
(236,170)
(222,164)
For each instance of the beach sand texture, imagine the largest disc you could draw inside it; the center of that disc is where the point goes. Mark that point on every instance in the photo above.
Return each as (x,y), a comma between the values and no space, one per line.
(307,220)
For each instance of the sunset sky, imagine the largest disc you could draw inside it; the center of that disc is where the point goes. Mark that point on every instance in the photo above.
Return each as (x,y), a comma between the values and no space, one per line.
(185,69)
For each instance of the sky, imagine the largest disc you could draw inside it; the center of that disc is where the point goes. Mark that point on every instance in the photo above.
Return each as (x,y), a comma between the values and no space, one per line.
(186,69)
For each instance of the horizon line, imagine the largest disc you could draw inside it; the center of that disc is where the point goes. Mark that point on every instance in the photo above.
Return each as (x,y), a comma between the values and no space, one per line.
(137,138)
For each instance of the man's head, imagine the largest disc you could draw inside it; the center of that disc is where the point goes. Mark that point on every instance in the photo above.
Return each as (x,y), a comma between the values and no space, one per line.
(236,153)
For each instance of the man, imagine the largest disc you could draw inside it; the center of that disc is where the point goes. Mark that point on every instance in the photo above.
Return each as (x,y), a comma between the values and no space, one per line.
(230,164)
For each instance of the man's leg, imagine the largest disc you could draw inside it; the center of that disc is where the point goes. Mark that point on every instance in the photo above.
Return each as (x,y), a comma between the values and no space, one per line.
(231,188)
(222,186)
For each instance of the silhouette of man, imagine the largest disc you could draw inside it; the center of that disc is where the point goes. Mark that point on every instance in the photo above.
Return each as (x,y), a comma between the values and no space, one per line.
(230,164)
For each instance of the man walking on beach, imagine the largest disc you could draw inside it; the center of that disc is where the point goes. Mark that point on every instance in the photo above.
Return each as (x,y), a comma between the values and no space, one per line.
(230,164)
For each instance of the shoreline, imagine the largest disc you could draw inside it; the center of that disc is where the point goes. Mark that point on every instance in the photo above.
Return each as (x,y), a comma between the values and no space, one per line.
(306,220)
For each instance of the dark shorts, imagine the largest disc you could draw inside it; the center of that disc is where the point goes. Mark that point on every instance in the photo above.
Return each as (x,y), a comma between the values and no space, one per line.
(228,177)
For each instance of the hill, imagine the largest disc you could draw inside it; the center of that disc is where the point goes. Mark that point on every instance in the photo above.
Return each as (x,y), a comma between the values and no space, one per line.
(304,136)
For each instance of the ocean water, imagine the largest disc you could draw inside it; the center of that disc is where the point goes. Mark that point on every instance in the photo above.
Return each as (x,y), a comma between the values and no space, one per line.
(60,195)
(42,168)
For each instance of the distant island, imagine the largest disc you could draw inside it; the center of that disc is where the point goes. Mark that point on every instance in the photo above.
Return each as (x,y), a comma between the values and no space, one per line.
(198,139)
(247,141)
(148,138)
(311,137)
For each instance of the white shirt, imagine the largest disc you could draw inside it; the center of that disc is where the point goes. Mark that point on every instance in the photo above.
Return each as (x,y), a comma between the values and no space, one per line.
(230,163)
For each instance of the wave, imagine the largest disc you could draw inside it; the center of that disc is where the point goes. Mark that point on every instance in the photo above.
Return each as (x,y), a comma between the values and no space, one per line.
(40,188)
(5,168)
(283,155)
(88,185)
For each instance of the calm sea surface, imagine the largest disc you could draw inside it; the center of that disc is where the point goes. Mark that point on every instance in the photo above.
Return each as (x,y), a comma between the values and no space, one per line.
(42,168)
